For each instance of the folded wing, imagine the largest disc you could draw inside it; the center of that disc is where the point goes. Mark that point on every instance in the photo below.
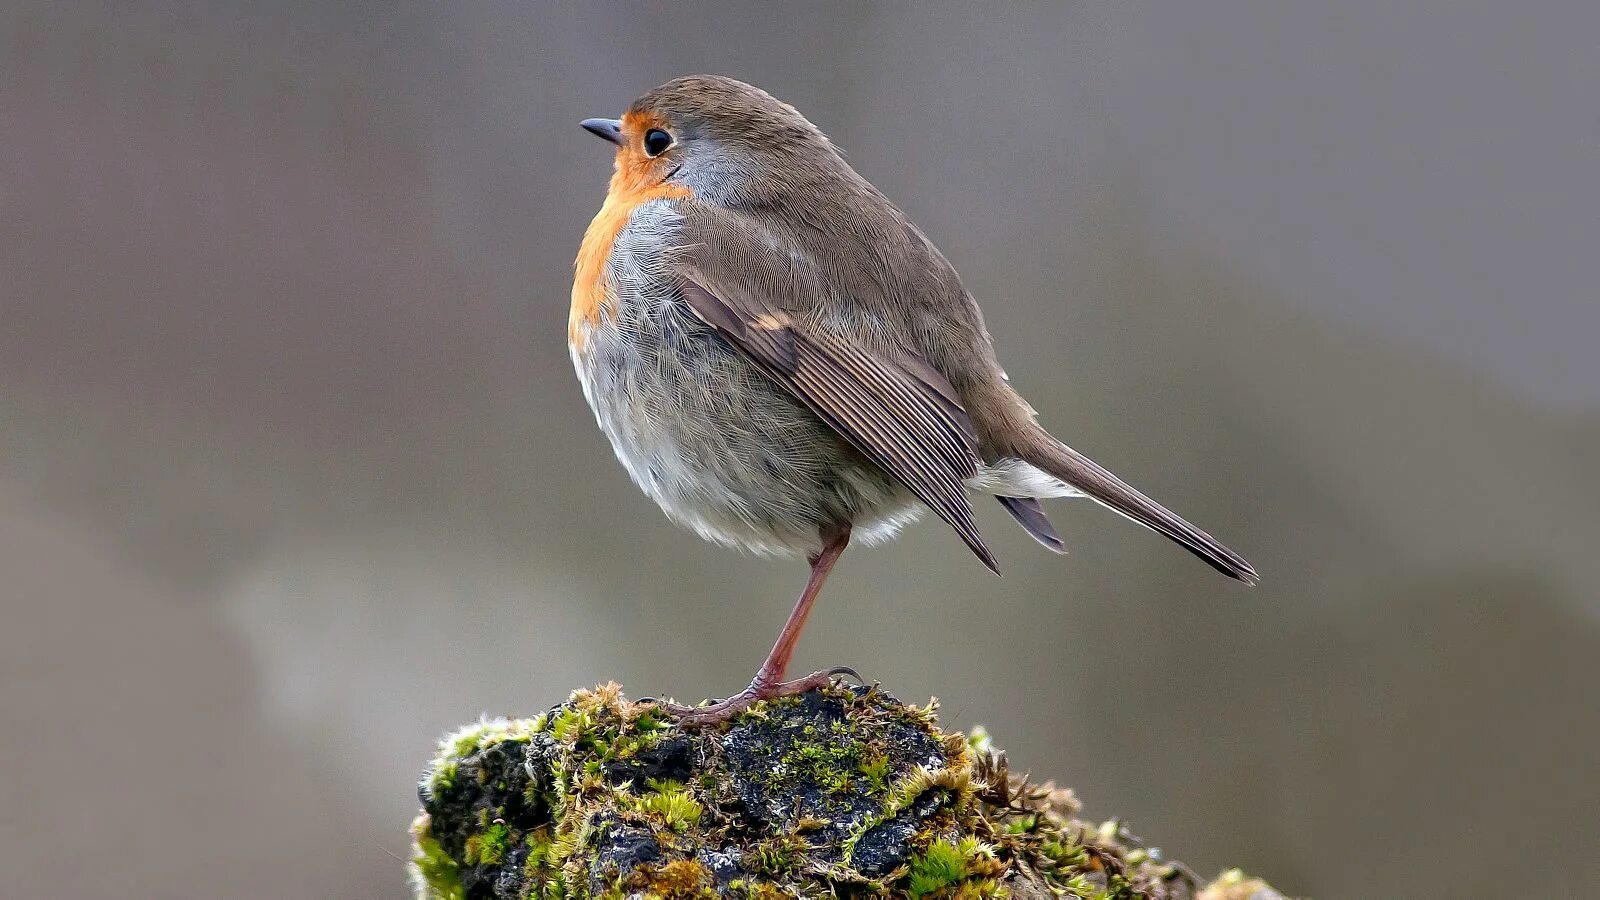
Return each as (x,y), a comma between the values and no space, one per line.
(900,413)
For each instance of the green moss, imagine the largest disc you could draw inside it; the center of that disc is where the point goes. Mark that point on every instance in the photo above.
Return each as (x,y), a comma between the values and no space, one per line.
(775,858)
(945,865)
(572,725)
(435,875)
(673,805)
(829,765)
(444,776)
(939,867)
(875,769)
(827,756)
(488,848)
(534,872)
(1065,854)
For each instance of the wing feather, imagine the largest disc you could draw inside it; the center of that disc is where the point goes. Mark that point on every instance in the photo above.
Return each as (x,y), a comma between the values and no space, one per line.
(899,412)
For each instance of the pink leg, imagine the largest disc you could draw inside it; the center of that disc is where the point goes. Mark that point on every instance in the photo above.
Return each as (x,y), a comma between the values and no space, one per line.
(769,681)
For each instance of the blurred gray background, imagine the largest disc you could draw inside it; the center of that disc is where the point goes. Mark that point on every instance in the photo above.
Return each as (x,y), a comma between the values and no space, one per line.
(295,476)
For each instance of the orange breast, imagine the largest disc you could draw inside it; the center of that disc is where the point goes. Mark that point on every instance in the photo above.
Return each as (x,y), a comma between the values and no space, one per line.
(591,300)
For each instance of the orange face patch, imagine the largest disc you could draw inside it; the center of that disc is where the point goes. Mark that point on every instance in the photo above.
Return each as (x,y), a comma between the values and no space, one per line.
(636,171)
(636,179)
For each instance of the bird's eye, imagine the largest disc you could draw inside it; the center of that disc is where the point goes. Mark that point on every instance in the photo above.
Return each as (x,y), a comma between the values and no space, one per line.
(656,142)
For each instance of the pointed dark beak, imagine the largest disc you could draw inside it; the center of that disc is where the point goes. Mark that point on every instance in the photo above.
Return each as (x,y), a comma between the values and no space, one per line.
(610,129)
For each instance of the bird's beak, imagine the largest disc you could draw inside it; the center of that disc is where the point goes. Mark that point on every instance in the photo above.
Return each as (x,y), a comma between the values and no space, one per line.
(610,129)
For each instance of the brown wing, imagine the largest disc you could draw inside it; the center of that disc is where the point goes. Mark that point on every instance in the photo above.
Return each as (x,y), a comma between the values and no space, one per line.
(902,414)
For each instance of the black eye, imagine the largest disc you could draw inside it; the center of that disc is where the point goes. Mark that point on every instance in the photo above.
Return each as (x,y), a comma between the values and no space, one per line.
(656,142)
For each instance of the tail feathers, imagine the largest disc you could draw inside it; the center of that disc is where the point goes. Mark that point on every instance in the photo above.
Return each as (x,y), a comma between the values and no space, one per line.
(1083,473)
(1030,515)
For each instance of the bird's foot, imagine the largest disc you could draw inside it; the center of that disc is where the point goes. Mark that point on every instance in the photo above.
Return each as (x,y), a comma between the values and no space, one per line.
(723,710)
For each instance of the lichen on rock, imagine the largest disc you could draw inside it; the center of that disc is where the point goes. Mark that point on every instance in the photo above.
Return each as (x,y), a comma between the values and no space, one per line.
(843,790)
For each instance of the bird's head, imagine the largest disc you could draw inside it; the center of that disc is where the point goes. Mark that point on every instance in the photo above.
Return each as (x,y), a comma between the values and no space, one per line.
(727,141)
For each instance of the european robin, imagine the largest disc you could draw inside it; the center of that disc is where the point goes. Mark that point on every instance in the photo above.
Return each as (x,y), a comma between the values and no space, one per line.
(782,360)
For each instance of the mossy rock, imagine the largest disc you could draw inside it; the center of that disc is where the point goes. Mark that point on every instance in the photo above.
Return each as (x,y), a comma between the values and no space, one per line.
(840,791)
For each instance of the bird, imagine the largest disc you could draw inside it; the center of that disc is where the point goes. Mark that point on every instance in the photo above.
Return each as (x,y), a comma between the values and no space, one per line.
(783,361)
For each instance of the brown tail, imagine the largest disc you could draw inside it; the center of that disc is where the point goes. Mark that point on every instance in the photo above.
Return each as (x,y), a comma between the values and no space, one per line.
(1090,477)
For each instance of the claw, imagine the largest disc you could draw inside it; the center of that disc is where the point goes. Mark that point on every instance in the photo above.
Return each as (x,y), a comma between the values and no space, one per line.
(855,676)
(722,710)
